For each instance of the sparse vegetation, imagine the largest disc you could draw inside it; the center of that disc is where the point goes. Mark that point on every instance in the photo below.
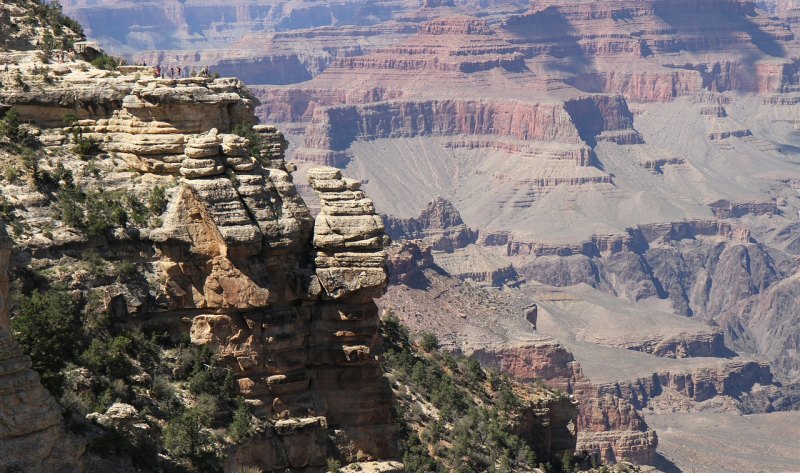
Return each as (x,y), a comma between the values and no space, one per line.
(13,135)
(454,416)
(241,427)
(98,212)
(104,212)
(10,124)
(106,62)
(245,130)
(85,147)
(157,201)
(50,13)
(186,437)
(45,324)
(429,342)
(47,44)
(333,466)
(90,362)
(466,433)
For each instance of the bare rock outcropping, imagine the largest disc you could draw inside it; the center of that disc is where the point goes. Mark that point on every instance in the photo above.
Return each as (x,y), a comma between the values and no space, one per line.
(608,425)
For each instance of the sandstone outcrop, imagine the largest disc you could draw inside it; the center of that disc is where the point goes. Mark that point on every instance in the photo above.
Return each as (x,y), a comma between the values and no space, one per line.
(729,378)
(549,424)
(407,261)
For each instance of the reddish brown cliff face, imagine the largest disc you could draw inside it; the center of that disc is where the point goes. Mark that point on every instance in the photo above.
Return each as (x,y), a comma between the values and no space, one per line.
(608,426)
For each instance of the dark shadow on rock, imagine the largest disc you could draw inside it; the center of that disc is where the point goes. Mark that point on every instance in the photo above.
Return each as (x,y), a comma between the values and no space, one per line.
(550,25)
(665,465)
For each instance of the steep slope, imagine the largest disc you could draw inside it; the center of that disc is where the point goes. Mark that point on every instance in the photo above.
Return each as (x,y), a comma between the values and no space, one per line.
(618,360)
(456,416)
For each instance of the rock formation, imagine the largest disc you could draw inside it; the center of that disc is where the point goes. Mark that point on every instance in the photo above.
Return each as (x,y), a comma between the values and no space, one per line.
(235,261)
(608,426)
(439,223)
(629,165)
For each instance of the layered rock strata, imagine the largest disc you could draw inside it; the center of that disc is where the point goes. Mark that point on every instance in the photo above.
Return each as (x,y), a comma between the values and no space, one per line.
(439,223)
(493,327)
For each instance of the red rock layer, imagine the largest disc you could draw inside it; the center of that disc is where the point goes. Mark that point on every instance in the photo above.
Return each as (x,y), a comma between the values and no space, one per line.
(336,128)
(608,426)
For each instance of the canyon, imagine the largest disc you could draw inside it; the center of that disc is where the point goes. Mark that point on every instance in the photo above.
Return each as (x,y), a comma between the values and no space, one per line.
(131,201)
(602,196)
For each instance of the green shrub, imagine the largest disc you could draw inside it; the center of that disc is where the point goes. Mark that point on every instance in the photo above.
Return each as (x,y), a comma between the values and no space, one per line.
(215,381)
(85,147)
(48,326)
(241,427)
(104,61)
(139,212)
(332,465)
(246,130)
(70,210)
(126,271)
(185,437)
(69,119)
(109,357)
(416,456)
(50,14)
(11,174)
(8,213)
(157,202)
(48,43)
(104,212)
(10,124)
(394,330)
(30,162)
(429,342)
(474,372)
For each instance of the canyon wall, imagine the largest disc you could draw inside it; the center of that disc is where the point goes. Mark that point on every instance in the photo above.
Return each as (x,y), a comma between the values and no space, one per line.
(332,130)
(711,272)
(439,223)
